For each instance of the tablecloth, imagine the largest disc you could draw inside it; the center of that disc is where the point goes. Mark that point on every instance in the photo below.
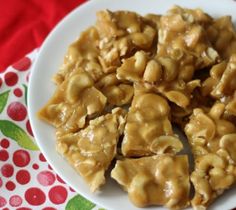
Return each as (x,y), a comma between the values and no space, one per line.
(27,181)
(24,25)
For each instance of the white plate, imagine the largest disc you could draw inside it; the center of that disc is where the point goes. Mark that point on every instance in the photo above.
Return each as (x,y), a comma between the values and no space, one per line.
(51,56)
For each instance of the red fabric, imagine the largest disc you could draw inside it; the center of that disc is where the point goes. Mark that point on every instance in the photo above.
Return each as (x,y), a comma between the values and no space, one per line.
(24,24)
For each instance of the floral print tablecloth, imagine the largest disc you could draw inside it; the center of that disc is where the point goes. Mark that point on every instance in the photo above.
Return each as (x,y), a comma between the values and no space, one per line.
(27,181)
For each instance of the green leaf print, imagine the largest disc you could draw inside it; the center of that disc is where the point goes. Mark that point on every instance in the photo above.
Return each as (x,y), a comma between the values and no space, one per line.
(101,209)
(79,203)
(13,131)
(26,93)
(3,100)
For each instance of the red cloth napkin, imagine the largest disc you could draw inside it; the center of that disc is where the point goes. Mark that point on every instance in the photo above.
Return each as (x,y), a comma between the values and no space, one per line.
(25,24)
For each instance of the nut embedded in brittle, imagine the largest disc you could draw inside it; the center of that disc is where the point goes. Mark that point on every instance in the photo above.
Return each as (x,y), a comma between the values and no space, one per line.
(132,69)
(76,85)
(166,144)
(117,93)
(227,83)
(178,92)
(228,143)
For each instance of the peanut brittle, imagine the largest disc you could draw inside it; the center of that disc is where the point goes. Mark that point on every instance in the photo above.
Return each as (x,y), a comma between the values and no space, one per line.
(72,102)
(221,84)
(213,143)
(155,180)
(222,35)
(183,38)
(91,150)
(148,129)
(122,33)
(177,68)
(82,53)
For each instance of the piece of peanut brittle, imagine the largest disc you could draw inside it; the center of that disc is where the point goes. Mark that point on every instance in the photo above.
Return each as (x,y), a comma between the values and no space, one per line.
(122,33)
(155,180)
(221,84)
(72,102)
(81,53)
(148,129)
(182,37)
(222,35)
(91,150)
(213,143)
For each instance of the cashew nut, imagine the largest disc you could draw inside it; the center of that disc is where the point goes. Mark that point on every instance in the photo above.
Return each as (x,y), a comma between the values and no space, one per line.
(76,85)
(202,188)
(178,98)
(166,144)
(200,125)
(208,161)
(153,102)
(137,190)
(228,142)
(170,68)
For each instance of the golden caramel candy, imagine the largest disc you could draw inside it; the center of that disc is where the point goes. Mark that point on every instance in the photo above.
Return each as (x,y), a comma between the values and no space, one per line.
(148,129)
(212,139)
(155,180)
(91,150)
